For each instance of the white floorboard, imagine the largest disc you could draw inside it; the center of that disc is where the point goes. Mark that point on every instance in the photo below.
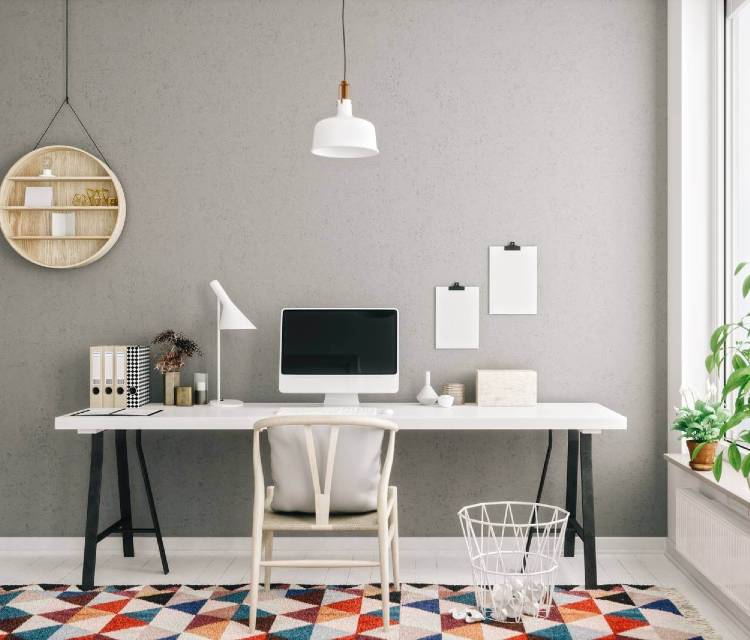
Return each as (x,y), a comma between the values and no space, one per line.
(422,560)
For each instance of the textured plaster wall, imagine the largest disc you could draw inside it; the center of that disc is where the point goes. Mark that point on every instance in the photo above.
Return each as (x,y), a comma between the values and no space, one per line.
(541,122)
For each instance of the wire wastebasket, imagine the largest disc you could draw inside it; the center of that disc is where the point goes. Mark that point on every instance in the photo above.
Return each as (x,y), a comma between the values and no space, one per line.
(514,549)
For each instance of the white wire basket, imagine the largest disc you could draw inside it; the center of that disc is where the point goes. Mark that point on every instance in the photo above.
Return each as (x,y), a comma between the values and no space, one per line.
(514,549)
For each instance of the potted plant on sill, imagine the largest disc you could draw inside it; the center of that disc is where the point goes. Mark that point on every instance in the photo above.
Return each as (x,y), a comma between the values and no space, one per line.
(170,361)
(730,347)
(700,423)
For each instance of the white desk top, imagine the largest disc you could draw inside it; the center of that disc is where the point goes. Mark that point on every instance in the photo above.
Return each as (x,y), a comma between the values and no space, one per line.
(587,417)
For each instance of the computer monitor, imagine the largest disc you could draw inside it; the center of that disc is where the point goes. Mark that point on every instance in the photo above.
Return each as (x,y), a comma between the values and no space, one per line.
(339,352)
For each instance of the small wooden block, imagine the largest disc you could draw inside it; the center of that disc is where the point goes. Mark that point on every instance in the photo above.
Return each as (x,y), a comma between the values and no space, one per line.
(506,388)
(183,396)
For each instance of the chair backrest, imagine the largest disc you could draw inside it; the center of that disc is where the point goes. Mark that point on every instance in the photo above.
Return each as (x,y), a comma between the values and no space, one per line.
(323,493)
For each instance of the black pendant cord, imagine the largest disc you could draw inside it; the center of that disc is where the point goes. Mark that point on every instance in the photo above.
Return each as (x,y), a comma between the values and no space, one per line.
(343,33)
(66,101)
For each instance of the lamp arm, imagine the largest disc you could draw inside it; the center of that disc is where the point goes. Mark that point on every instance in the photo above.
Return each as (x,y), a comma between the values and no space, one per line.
(218,349)
(219,291)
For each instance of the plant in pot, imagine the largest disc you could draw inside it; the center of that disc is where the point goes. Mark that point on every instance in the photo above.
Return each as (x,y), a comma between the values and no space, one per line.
(700,423)
(730,348)
(178,348)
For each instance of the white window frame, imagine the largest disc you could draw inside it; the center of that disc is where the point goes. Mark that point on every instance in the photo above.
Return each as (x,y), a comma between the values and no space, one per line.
(695,239)
(733,7)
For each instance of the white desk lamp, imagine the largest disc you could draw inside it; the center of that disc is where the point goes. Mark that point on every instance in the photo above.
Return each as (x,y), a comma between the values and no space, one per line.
(228,316)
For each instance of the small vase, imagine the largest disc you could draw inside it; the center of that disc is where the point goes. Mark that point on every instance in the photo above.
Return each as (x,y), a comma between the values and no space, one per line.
(704,461)
(200,387)
(171,382)
(427,395)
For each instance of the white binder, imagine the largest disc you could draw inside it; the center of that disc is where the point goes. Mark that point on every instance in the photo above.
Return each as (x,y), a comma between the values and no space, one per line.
(95,377)
(121,373)
(108,377)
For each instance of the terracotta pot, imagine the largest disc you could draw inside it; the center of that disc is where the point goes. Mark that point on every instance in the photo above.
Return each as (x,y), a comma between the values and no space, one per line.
(704,461)
(171,382)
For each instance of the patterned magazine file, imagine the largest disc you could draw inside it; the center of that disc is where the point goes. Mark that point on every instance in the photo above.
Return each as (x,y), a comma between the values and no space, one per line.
(138,378)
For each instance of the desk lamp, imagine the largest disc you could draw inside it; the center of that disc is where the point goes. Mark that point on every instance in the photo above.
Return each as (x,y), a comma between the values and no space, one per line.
(228,316)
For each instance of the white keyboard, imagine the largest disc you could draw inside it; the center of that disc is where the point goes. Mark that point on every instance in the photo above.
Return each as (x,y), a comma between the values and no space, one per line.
(331,411)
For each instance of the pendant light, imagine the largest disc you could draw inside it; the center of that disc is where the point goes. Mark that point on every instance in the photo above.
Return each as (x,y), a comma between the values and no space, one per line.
(344,136)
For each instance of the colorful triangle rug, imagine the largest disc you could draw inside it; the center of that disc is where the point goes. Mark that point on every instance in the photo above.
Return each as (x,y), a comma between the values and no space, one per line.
(298,612)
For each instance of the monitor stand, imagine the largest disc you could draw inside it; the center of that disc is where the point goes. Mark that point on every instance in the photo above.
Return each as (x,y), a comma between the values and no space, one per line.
(341,400)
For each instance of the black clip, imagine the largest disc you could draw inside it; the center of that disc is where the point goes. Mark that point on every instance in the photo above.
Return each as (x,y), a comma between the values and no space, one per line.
(512,246)
(456,287)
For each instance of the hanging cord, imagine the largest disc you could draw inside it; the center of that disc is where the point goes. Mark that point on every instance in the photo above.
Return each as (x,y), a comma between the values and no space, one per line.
(67,97)
(343,33)
(67,38)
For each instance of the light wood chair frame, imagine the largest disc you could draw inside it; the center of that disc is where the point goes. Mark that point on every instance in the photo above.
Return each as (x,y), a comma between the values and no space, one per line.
(384,521)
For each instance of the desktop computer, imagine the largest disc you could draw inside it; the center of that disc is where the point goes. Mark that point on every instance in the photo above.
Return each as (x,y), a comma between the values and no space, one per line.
(339,352)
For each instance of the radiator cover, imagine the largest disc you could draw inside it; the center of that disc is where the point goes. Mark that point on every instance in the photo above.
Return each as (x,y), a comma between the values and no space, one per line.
(716,540)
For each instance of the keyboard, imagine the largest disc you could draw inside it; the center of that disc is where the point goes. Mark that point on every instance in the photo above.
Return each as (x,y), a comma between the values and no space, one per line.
(331,411)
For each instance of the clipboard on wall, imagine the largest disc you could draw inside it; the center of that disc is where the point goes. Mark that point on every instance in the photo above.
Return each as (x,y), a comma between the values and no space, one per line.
(513,280)
(456,317)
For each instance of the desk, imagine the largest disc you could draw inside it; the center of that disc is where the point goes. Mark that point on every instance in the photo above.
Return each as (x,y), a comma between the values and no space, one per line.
(579,420)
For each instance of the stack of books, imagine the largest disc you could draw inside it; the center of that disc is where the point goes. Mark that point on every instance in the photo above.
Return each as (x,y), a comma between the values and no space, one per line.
(454,389)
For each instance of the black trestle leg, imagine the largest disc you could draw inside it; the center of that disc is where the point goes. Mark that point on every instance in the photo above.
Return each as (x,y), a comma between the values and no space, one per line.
(123,483)
(587,507)
(92,510)
(540,490)
(571,492)
(151,504)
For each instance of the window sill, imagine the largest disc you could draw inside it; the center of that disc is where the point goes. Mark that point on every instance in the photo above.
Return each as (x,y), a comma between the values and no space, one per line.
(732,483)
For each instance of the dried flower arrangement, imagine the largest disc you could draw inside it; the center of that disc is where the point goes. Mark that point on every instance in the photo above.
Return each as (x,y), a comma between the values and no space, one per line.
(180,349)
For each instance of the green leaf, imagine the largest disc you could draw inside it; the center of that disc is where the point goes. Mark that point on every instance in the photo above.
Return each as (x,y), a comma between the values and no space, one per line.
(733,422)
(734,456)
(745,435)
(736,379)
(710,360)
(697,450)
(745,287)
(738,362)
(717,466)
(739,267)
(745,468)
(718,337)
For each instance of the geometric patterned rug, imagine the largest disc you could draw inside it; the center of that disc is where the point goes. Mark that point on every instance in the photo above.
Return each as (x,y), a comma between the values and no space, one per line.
(296,612)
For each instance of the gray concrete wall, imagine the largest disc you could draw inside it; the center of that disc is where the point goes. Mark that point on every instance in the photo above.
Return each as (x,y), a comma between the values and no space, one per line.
(541,122)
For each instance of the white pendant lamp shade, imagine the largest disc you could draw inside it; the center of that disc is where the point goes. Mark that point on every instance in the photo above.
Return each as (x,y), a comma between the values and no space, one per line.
(344,136)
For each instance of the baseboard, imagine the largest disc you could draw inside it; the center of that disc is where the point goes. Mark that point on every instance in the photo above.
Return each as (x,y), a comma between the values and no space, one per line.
(704,584)
(241,545)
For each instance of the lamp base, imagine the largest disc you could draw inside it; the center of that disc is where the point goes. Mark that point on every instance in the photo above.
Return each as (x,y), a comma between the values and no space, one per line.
(226,403)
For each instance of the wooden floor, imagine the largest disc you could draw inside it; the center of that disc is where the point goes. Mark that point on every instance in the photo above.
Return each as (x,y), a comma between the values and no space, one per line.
(423,560)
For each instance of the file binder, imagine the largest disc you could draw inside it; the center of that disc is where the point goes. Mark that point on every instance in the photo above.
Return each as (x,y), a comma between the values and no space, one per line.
(95,377)
(138,375)
(108,377)
(121,387)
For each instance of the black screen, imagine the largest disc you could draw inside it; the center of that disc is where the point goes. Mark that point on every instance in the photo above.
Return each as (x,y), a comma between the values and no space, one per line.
(339,341)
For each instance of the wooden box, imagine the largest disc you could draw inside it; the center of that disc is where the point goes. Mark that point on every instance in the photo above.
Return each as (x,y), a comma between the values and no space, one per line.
(506,388)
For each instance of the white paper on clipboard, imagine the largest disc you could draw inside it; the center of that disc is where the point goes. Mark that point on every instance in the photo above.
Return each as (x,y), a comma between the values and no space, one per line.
(457,318)
(513,281)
